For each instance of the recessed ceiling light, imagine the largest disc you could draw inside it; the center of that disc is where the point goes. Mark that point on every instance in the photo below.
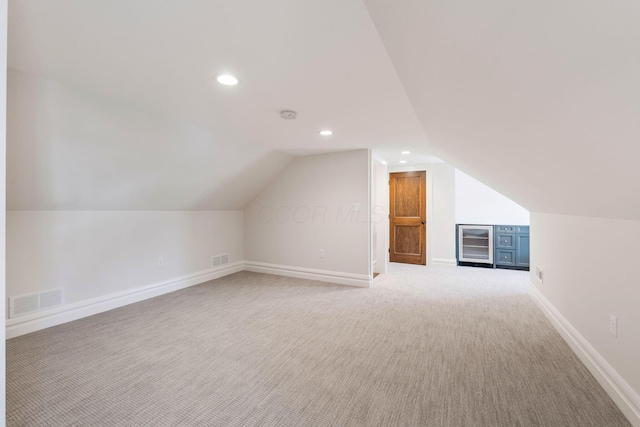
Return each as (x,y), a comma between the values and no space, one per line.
(405,152)
(227,80)
(403,161)
(326,132)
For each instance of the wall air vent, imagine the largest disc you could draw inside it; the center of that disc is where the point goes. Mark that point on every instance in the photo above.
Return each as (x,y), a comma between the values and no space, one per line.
(23,305)
(26,304)
(51,298)
(219,260)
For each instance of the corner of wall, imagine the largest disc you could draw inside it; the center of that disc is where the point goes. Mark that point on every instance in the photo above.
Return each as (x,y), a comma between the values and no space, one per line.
(315,215)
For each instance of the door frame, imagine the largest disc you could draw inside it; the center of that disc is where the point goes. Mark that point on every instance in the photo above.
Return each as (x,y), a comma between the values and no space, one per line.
(379,215)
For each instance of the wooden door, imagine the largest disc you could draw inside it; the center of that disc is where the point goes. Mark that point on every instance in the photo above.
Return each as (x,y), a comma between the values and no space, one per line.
(407,217)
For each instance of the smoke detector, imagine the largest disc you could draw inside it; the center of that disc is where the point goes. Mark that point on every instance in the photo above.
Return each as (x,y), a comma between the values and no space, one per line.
(288,114)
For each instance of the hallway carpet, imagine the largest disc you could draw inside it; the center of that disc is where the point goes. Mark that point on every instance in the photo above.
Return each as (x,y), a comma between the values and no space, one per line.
(427,346)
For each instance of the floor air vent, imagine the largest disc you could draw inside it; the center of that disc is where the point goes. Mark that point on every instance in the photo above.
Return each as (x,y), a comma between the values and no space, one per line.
(25,304)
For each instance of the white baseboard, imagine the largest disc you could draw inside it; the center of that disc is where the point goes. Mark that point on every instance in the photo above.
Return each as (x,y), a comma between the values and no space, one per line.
(625,397)
(350,279)
(444,261)
(69,312)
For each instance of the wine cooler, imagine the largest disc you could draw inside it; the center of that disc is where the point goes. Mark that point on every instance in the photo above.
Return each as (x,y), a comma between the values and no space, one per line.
(475,243)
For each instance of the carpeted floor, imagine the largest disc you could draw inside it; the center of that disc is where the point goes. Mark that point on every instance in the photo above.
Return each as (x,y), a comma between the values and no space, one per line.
(427,346)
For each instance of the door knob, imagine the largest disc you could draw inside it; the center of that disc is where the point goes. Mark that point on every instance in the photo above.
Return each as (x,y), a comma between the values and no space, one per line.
(422,222)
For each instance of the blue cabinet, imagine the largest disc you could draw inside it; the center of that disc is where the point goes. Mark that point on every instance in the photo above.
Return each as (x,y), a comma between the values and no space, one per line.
(522,250)
(511,246)
(504,240)
(505,257)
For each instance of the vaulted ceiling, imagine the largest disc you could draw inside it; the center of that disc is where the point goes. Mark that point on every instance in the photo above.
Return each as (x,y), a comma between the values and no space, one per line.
(539,100)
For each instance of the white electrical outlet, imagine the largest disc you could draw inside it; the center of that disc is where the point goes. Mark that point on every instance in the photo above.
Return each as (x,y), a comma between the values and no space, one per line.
(540,275)
(160,262)
(321,253)
(613,325)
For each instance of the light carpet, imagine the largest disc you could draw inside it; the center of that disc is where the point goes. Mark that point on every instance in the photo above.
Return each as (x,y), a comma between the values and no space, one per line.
(427,346)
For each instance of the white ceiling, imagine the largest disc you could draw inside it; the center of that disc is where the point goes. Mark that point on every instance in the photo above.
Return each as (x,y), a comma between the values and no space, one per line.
(538,99)
(321,58)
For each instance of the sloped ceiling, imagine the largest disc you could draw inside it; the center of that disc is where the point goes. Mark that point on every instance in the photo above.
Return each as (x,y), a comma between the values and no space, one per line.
(321,58)
(538,99)
(73,150)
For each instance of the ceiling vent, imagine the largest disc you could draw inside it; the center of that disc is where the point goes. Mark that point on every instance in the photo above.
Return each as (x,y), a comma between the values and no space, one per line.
(288,114)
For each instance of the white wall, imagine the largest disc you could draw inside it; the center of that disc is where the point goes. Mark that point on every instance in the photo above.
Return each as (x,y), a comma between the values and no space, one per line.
(93,254)
(309,207)
(590,272)
(443,230)
(477,203)
(3,146)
